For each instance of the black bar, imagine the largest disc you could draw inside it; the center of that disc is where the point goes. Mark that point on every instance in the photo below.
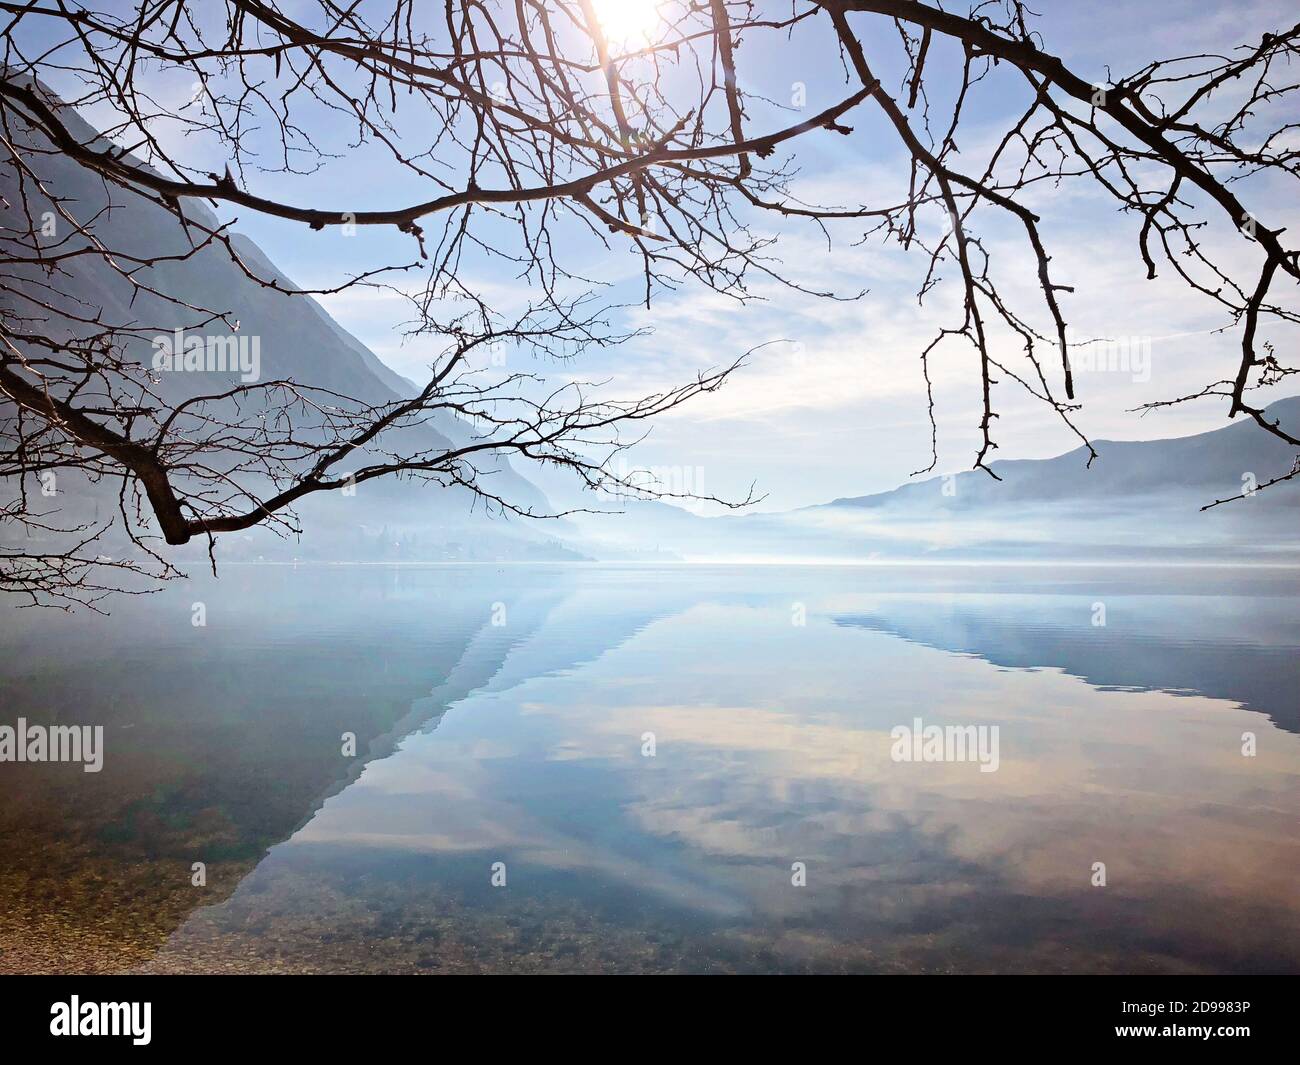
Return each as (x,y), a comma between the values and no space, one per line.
(974,1013)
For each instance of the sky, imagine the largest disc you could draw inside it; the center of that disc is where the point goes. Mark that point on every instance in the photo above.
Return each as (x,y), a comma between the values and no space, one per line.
(832,403)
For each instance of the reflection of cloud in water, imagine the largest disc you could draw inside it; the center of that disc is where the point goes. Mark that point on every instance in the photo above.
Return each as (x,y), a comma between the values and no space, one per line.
(773,747)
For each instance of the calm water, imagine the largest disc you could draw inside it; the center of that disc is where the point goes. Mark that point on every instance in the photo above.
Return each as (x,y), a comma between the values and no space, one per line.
(525,743)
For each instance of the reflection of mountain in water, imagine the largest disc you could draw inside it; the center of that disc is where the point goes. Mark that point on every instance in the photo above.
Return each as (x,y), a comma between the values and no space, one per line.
(219,742)
(773,750)
(1242,651)
(223,741)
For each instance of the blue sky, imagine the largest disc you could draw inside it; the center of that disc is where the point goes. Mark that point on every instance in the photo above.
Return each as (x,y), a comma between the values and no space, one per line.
(833,405)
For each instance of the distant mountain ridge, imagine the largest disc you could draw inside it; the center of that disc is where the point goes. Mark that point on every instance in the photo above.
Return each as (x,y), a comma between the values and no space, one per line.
(1212,462)
(1139,501)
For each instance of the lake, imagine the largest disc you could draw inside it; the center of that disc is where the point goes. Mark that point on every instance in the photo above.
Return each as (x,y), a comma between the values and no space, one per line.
(636,768)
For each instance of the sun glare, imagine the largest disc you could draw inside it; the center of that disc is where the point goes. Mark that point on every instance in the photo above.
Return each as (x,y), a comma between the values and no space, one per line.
(627,21)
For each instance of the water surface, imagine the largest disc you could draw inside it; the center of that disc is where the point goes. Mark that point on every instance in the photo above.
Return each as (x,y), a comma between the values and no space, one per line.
(504,717)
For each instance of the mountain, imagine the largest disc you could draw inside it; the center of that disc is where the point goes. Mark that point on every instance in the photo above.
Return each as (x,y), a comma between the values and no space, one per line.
(1208,466)
(297,340)
(1139,501)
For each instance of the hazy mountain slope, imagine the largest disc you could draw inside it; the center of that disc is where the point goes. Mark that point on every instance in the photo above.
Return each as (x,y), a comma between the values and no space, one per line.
(298,341)
(257,261)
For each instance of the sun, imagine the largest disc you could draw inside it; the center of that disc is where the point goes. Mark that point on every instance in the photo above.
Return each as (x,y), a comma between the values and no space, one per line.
(627,21)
